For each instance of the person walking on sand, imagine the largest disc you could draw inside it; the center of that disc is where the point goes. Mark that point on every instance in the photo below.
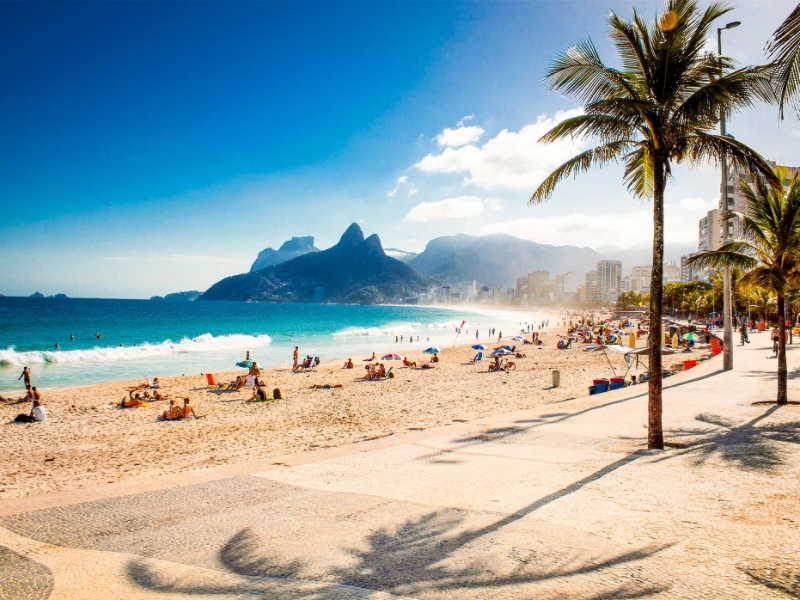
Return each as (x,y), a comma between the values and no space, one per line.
(26,373)
(476,335)
(294,356)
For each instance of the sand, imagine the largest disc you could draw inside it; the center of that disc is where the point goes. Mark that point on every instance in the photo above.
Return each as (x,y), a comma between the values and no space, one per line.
(88,439)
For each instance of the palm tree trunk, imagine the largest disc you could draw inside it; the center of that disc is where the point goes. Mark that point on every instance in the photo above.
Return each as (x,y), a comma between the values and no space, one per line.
(655,432)
(782,375)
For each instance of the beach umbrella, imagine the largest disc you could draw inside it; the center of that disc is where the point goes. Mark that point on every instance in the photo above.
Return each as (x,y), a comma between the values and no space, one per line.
(479,347)
(431,350)
(518,338)
(501,352)
(391,357)
(245,364)
(690,336)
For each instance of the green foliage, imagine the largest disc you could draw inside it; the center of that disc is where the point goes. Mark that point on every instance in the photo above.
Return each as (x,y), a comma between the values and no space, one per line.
(631,300)
(784,49)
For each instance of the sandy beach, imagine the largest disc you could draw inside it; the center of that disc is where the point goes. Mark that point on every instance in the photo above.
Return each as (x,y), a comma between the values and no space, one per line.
(88,439)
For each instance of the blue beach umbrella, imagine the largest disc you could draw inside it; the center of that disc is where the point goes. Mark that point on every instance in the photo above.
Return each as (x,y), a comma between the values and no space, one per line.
(431,350)
(518,338)
(479,347)
(501,352)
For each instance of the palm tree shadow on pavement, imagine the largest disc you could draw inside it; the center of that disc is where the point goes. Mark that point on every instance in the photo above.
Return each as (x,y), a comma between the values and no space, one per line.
(751,445)
(430,554)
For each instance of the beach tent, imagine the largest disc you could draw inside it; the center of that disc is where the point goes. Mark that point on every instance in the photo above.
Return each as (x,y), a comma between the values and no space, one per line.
(432,350)
(479,347)
(391,357)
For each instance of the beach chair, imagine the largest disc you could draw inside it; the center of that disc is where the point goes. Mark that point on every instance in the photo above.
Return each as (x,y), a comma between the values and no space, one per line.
(210,380)
(477,357)
(513,349)
(387,373)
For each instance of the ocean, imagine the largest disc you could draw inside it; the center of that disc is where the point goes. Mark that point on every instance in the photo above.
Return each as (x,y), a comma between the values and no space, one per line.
(146,338)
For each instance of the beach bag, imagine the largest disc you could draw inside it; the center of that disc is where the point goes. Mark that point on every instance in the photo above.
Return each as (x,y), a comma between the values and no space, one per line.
(276,394)
(23,418)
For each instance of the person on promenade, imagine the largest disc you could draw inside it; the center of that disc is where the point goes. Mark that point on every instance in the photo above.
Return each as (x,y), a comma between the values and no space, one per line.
(37,414)
(26,373)
(775,337)
(743,332)
(294,356)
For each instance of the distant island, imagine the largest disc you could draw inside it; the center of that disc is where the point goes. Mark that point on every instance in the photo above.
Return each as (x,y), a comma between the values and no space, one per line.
(36,295)
(179,296)
(355,270)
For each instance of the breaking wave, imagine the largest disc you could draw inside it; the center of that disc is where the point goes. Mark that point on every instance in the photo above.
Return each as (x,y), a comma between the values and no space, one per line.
(201,343)
(398,329)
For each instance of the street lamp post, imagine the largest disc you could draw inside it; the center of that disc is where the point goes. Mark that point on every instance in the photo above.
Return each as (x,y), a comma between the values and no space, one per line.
(727,308)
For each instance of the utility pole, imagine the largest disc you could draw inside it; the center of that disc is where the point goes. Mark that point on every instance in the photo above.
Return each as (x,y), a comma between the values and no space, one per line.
(727,308)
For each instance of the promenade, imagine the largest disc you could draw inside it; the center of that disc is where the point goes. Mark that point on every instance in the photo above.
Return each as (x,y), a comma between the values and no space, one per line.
(560,502)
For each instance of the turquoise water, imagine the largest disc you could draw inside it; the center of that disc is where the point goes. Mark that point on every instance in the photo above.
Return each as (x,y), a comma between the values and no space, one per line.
(149,338)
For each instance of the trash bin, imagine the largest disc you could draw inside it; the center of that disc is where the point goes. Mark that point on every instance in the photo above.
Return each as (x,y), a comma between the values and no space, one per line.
(556,379)
(761,325)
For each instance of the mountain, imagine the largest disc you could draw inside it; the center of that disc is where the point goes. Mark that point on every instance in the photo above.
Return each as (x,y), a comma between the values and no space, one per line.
(179,296)
(498,259)
(36,295)
(355,270)
(401,255)
(297,246)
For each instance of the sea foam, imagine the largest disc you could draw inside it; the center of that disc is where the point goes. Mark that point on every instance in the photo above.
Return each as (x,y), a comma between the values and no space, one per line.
(201,343)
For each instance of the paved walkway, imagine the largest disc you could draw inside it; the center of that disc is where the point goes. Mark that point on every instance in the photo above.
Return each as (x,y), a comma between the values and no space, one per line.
(554,503)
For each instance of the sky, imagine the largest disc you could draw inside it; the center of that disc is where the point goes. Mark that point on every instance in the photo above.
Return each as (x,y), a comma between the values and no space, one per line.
(147,148)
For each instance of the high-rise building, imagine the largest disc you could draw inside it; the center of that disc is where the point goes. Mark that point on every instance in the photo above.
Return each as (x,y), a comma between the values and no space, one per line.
(536,282)
(687,270)
(609,274)
(571,282)
(736,199)
(672,273)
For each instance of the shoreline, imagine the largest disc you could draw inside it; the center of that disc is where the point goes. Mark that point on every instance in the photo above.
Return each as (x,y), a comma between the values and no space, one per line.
(88,439)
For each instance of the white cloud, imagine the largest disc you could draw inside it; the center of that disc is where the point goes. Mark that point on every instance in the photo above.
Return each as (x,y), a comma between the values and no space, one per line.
(401,181)
(464,119)
(460,136)
(623,229)
(512,160)
(412,191)
(452,208)
(699,204)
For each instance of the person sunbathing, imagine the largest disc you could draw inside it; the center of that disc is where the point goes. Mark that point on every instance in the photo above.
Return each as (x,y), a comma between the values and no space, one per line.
(259,395)
(187,410)
(435,358)
(326,386)
(173,413)
(238,383)
(427,366)
(380,371)
(408,363)
(370,359)
(348,364)
(158,396)
(131,402)
(370,372)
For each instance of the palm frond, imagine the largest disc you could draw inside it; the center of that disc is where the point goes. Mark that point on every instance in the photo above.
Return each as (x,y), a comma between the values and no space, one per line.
(702,146)
(598,156)
(784,51)
(717,259)
(606,128)
(639,175)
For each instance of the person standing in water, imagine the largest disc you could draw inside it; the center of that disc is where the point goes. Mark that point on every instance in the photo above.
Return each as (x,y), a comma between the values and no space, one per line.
(26,373)
(294,356)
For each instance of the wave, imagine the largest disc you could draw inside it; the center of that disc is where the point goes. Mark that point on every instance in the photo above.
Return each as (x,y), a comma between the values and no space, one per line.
(201,343)
(375,331)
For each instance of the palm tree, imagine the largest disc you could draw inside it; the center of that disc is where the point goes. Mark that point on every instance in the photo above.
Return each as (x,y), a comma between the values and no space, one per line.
(770,250)
(763,300)
(658,109)
(784,50)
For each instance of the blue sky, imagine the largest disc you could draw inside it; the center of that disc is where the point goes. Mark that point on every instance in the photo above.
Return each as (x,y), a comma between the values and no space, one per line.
(155,147)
